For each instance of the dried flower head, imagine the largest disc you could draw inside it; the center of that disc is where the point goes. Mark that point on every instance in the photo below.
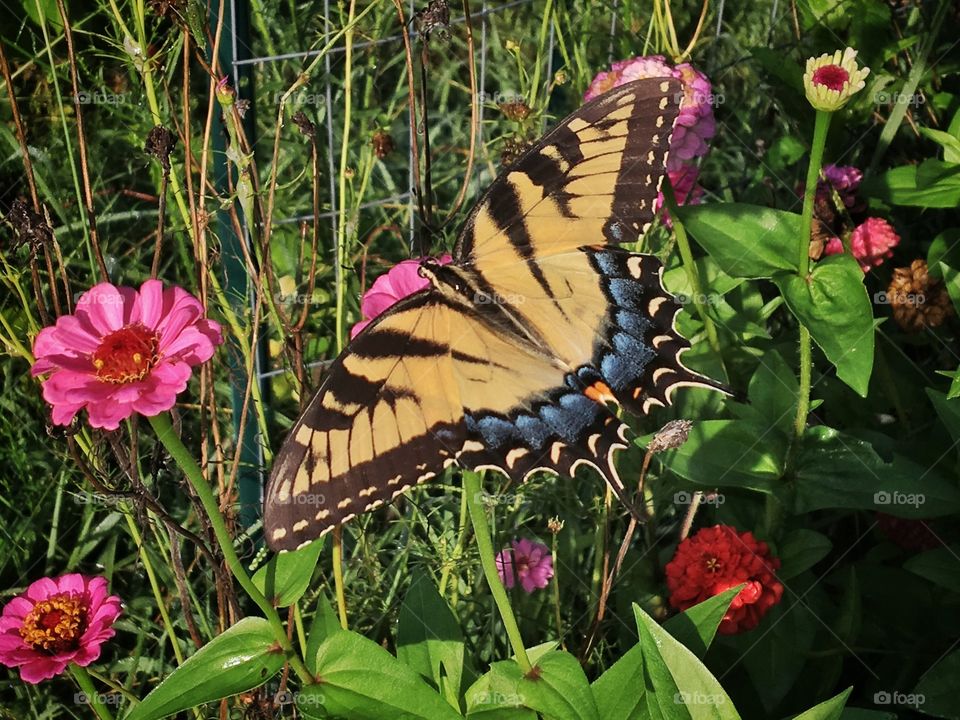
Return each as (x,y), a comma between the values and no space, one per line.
(515,110)
(382,144)
(830,80)
(160,144)
(29,228)
(511,150)
(303,123)
(918,300)
(670,436)
(435,18)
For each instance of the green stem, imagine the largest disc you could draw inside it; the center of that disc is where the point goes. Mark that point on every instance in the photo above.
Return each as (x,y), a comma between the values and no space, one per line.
(181,455)
(693,274)
(471,488)
(94,700)
(803,265)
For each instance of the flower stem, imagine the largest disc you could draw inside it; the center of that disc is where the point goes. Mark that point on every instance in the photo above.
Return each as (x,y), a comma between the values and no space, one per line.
(803,266)
(82,678)
(690,266)
(471,487)
(181,455)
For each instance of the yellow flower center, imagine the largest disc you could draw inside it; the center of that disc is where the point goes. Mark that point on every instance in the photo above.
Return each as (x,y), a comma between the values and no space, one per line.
(126,355)
(713,565)
(55,624)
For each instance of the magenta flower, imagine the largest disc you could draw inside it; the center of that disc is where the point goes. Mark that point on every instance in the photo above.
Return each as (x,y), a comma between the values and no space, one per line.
(695,125)
(871,243)
(123,351)
(398,282)
(528,561)
(845,179)
(57,621)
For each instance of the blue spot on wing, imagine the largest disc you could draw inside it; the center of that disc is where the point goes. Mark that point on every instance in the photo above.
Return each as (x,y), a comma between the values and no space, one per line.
(534,431)
(626,293)
(626,365)
(571,416)
(634,323)
(495,431)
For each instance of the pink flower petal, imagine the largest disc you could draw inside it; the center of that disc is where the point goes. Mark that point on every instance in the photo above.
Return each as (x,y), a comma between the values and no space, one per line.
(41,589)
(72,583)
(151,303)
(103,306)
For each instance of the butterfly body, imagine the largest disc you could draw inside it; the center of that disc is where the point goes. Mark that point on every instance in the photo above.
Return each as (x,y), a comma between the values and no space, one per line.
(512,355)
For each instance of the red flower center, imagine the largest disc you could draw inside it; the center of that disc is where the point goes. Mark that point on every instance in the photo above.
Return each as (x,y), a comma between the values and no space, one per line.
(832,76)
(126,355)
(55,624)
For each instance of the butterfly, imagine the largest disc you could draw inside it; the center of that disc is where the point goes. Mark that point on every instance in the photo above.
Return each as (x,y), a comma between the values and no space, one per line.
(511,357)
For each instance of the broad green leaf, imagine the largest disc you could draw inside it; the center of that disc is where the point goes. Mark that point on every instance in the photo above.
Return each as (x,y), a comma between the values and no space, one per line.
(939,688)
(359,680)
(833,304)
(840,471)
(800,551)
(948,411)
(773,391)
(286,577)
(429,638)
(950,144)
(728,453)
(678,685)
(496,694)
(557,689)
(932,184)
(325,623)
(696,626)
(830,709)
(940,566)
(716,283)
(747,241)
(619,690)
(47,11)
(241,658)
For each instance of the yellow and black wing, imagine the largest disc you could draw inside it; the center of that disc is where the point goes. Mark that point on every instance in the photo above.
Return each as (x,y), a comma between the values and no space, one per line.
(509,359)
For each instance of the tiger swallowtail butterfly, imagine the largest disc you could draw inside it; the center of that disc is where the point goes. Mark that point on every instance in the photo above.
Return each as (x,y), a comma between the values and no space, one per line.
(519,384)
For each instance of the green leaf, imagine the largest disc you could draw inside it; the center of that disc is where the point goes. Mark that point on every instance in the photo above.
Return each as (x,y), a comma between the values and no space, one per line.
(840,471)
(773,391)
(830,709)
(286,577)
(678,685)
(800,551)
(833,304)
(241,658)
(619,692)
(948,411)
(932,184)
(696,626)
(359,680)
(325,623)
(429,638)
(747,241)
(939,688)
(940,566)
(728,453)
(950,144)
(557,689)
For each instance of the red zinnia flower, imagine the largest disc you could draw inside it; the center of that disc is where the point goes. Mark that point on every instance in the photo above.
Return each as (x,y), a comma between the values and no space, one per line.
(871,243)
(57,621)
(911,535)
(123,351)
(719,558)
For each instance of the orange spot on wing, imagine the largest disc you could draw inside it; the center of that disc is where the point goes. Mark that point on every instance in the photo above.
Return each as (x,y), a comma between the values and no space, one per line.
(600,392)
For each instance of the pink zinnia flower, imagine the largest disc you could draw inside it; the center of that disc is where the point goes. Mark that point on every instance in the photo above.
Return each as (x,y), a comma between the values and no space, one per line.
(871,243)
(57,621)
(123,351)
(695,125)
(398,282)
(529,561)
